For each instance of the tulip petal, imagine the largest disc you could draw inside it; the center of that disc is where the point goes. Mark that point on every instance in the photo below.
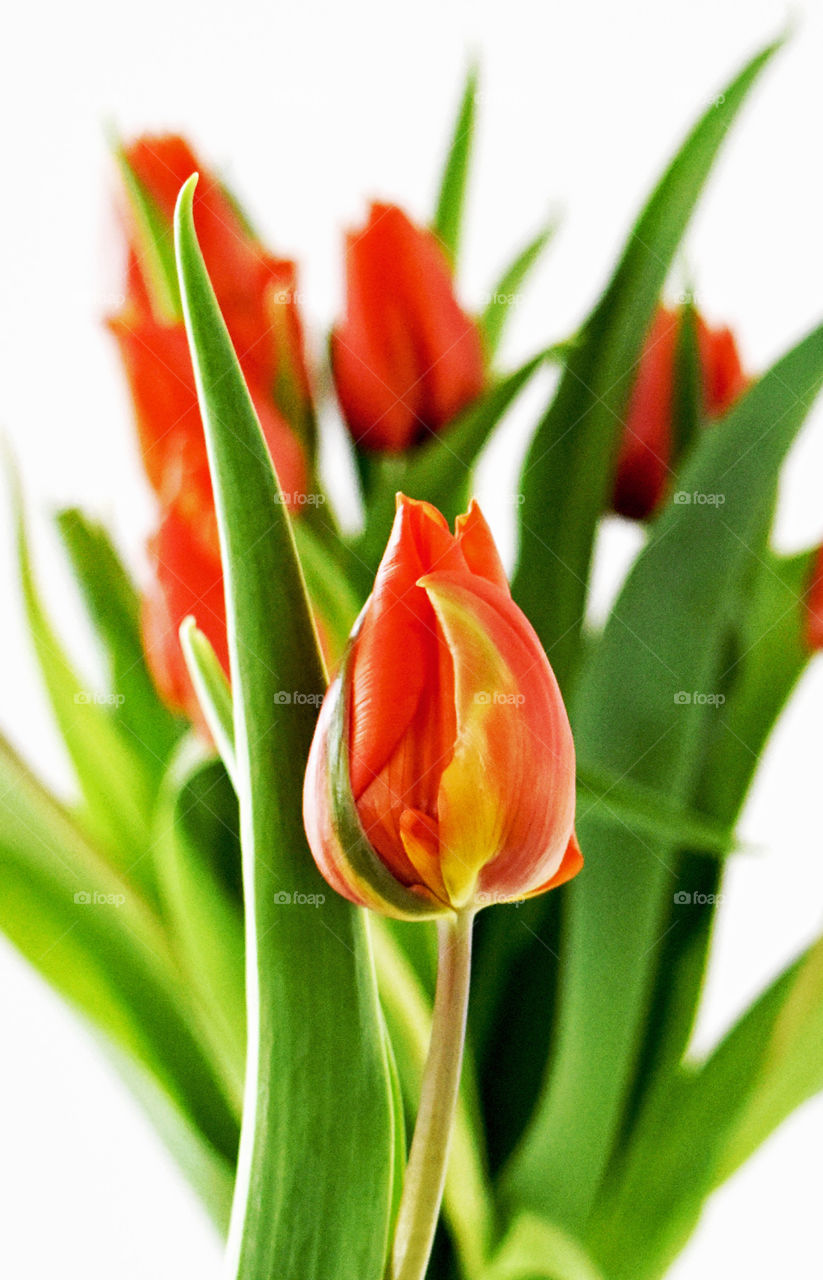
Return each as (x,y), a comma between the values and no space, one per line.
(510,831)
(568,869)
(398,648)
(344,852)
(478,547)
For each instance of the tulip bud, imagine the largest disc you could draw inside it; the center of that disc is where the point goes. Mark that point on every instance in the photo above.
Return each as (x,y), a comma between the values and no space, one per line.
(441,776)
(256,293)
(406,359)
(646,458)
(814,604)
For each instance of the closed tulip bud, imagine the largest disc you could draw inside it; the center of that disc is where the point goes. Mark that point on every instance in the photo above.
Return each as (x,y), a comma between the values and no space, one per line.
(814,604)
(251,284)
(442,776)
(647,456)
(257,296)
(406,359)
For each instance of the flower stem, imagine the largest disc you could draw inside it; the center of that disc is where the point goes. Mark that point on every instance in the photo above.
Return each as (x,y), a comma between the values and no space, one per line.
(426,1170)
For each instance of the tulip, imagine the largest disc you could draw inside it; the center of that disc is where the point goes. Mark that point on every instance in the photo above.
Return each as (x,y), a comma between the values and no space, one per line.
(187,579)
(441,776)
(406,359)
(257,295)
(646,457)
(253,287)
(158,368)
(814,604)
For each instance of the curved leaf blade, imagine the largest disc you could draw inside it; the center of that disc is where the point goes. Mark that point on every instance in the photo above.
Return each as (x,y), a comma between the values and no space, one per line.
(662,648)
(318,1068)
(568,468)
(448,218)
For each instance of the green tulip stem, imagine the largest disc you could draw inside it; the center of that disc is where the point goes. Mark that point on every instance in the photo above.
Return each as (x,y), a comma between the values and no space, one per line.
(426,1169)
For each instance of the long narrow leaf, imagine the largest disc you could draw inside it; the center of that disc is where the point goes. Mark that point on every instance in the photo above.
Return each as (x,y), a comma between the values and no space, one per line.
(644,709)
(448,218)
(89,933)
(568,469)
(314,1187)
(114,611)
(505,294)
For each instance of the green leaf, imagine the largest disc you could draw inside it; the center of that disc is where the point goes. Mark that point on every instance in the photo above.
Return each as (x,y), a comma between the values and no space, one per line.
(537,1250)
(212,689)
(114,610)
(687,408)
(710,1120)
(116,783)
(566,478)
(649,812)
(87,930)
(203,917)
(317,1061)
(334,599)
(505,293)
(155,243)
(644,711)
(448,218)
(790,1069)
(762,667)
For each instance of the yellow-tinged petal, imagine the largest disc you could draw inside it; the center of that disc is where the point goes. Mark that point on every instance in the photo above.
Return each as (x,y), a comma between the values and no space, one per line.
(506,798)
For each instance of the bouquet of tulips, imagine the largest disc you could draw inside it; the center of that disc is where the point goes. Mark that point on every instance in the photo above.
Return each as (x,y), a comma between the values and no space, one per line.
(329,766)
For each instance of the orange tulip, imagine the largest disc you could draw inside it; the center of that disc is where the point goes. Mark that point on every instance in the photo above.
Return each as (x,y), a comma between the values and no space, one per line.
(814,603)
(645,461)
(158,367)
(406,359)
(252,286)
(442,775)
(187,579)
(256,293)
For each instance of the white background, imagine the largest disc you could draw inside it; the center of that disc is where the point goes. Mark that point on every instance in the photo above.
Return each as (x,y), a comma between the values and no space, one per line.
(311,108)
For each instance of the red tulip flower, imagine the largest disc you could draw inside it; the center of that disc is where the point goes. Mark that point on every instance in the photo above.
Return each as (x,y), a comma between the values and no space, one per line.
(645,461)
(442,772)
(187,579)
(406,359)
(256,292)
(252,286)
